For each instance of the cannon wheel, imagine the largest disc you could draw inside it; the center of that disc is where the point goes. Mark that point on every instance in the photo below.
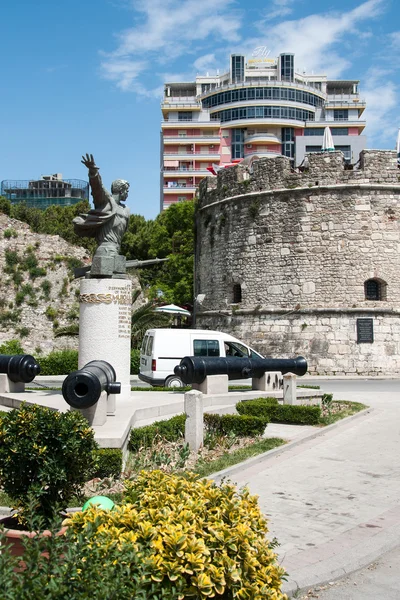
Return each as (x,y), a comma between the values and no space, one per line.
(173,381)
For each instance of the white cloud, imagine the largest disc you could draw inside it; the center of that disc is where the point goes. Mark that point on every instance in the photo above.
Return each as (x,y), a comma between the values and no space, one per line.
(313,38)
(279,8)
(381,114)
(206,62)
(166,31)
(394,40)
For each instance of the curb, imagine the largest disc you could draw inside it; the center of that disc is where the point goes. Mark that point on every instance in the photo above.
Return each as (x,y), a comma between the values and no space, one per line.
(277,451)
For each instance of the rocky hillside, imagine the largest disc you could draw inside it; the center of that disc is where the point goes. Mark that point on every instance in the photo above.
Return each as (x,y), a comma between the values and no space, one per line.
(38,292)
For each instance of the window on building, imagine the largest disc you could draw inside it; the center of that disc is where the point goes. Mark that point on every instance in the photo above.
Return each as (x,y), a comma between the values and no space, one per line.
(375,289)
(182,198)
(340,131)
(205,347)
(237,143)
(185,115)
(340,114)
(314,131)
(237,293)
(313,148)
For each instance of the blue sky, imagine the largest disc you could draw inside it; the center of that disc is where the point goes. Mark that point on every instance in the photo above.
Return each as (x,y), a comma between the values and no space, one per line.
(87,75)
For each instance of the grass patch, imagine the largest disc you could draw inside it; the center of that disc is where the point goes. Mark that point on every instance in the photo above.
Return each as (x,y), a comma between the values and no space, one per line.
(161,389)
(340,410)
(233,458)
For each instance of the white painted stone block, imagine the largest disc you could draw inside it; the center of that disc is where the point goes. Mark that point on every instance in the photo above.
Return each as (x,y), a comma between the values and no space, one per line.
(269,382)
(193,404)
(289,388)
(96,414)
(213,384)
(6,385)
(105,326)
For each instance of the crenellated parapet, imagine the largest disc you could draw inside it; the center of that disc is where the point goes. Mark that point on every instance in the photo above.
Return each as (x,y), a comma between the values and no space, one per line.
(377,167)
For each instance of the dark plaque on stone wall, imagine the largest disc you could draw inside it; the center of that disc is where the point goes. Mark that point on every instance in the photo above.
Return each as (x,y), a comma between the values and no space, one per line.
(365,331)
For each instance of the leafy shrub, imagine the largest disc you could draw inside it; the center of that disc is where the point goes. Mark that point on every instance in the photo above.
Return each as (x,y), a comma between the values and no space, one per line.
(171,429)
(9,233)
(194,539)
(12,258)
(46,288)
(135,361)
(285,413)
(59,362)
(256,407)
(8,317)
(45,457)
(240,425)
(11,347)
(35,272)
(23,331)
(51,313)
(109,463)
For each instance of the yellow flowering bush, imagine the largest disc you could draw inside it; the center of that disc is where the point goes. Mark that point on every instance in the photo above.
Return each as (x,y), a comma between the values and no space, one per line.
(191,538)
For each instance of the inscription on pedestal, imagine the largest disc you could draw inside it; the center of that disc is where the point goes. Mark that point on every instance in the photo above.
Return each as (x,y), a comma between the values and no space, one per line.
(365,331)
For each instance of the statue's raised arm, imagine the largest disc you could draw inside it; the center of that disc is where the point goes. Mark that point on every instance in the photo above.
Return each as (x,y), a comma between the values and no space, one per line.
(108,221)
(100,195)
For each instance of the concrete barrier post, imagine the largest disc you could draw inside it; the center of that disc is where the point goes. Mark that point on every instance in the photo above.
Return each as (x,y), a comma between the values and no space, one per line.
(193,404)
(289,389)
(268,382)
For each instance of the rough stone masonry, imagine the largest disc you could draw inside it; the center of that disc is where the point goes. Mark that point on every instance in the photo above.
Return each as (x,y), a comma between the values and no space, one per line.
(305,262)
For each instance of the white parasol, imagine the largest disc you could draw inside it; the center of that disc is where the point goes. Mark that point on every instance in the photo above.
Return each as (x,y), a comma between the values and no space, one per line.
(327,143)
(172,309)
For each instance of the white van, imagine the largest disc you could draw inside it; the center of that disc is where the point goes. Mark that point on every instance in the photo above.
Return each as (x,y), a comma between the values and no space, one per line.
(163,349)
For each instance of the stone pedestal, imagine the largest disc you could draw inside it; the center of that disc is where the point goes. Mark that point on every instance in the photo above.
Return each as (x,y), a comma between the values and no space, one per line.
(194,428)
(269,382)
(96,414)
(6,385)
(105,326)
(289,389)
(213,384)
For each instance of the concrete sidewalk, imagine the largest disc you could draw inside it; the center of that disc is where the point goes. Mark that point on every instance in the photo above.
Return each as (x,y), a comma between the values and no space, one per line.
(333,501)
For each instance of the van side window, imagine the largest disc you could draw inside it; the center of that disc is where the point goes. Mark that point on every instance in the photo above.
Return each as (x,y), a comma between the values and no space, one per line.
(236,349)
(206,347)
(143,348)
(149,346)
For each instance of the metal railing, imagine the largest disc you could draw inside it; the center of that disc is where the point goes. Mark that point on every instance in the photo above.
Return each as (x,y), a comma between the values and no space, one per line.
(192,153)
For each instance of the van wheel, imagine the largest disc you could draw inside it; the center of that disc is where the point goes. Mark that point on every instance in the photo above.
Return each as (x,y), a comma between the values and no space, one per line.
(173,381)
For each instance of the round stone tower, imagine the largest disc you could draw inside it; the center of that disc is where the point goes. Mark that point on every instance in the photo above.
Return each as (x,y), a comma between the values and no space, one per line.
(305,261)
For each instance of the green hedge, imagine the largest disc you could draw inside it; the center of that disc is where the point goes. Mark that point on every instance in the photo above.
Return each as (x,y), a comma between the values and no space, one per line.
(135,361)
(58,362)
(240,425)
(109,462)
(285,413)
(255,408)
(171,430)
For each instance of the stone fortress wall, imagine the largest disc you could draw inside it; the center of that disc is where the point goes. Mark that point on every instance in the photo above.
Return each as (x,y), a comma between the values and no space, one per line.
(298,248)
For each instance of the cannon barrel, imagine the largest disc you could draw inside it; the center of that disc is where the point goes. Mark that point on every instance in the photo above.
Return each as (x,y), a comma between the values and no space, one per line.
(83,388)
(194,369)
(20,368)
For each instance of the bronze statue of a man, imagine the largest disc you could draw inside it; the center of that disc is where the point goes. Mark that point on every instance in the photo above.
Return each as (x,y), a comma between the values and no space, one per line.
(109,220)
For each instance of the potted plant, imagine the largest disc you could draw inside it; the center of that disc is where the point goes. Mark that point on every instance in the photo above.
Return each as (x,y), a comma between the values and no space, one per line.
(45,458)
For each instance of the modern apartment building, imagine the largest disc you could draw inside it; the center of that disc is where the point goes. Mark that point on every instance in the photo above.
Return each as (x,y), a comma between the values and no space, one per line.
(46,191)
(262,106)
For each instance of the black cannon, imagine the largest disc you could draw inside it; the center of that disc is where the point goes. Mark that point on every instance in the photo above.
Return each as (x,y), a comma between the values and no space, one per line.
(83,388)
(194,369)
(19,368)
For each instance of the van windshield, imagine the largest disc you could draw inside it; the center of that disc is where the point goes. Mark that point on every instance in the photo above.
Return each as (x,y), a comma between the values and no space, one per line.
(236,349)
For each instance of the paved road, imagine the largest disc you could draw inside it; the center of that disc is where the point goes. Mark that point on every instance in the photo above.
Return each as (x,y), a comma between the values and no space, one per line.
(334,502)
(380,580)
